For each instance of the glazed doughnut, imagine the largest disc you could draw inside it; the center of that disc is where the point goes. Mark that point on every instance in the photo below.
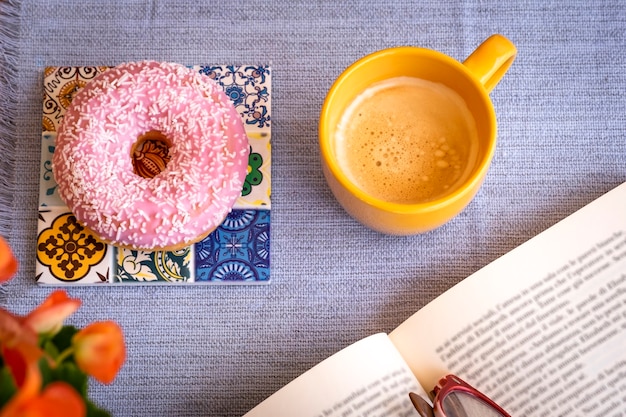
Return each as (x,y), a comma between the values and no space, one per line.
(112,115)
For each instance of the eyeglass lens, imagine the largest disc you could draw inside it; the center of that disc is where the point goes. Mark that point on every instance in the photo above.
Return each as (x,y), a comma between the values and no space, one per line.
(463,404)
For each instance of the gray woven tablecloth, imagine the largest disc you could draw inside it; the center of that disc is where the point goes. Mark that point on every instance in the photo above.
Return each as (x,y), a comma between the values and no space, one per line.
(219,350)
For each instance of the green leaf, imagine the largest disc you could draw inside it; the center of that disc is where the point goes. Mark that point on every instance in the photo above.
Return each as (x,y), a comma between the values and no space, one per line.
(49,347)
(46,372)
(7,386)
(95,411)
(63,339)
(55,344)
(67,372)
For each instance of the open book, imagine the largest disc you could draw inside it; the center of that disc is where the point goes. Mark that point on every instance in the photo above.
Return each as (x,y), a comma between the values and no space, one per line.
(541,330)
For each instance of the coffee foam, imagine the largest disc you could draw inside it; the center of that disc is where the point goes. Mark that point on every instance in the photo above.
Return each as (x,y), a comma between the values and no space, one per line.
(407,140)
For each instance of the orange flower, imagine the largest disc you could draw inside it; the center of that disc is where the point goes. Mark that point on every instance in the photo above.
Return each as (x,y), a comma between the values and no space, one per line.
(99,350)
(8,263)
(49,316)
(21,360)
(12,332)
(58,399)
(20,354)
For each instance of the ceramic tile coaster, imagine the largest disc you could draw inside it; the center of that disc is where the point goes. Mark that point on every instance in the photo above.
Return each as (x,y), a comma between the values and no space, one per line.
(237,252)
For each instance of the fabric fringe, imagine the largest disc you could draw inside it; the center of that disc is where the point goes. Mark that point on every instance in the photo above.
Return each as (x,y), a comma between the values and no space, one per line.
(9,43)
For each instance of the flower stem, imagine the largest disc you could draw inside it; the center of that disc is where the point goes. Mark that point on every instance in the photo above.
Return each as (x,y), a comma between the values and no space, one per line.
(65,354)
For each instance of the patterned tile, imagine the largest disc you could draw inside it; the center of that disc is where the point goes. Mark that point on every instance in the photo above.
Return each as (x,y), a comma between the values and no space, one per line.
(60,86)
(248,86)
(135,267)
(48,194)
(237,252)
(257,186)
(67,253)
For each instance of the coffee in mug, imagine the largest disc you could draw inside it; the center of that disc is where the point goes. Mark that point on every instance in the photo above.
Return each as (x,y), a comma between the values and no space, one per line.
(407,140)
(407,134)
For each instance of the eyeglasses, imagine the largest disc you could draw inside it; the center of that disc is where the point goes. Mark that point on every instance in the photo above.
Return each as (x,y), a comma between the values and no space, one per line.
(453,397)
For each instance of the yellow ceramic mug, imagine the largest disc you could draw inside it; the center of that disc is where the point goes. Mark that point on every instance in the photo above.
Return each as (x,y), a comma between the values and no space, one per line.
(472,80)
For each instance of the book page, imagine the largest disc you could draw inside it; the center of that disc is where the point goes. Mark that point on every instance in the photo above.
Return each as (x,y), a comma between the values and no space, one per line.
(541,330)
(367,379)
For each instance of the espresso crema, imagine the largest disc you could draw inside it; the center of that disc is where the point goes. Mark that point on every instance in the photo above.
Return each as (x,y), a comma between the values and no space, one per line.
(407,140)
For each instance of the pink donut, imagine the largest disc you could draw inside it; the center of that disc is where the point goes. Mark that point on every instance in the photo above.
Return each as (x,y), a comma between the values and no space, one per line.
(112,115)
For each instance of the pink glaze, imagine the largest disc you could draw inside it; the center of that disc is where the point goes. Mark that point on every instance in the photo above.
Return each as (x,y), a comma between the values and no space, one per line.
(191,196)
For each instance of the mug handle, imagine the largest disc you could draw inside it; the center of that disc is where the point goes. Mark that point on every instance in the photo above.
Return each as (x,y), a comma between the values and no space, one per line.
(490,61)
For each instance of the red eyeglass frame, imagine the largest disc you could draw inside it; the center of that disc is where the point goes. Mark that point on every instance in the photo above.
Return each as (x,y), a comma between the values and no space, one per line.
(450,383)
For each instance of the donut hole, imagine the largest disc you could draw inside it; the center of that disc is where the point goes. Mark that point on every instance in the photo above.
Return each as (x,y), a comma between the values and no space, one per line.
(150,154)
